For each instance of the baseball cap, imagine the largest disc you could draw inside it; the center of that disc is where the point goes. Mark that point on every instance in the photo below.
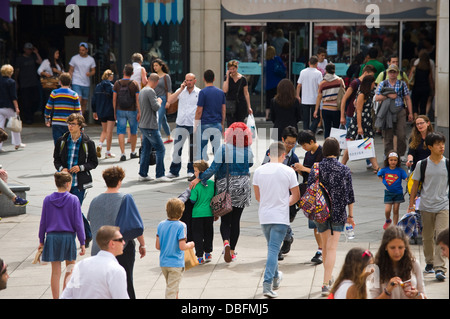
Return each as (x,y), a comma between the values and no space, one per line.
(28,45)
(84,44)
(393,67)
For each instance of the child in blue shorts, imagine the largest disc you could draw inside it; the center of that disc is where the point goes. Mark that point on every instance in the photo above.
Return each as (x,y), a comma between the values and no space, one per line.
(391,176)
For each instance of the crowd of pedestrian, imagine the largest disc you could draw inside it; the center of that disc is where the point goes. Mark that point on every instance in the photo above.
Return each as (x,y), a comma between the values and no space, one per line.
(137,101)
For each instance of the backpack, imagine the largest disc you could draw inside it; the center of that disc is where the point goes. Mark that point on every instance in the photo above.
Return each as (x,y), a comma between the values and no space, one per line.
(316,202)
(125,100)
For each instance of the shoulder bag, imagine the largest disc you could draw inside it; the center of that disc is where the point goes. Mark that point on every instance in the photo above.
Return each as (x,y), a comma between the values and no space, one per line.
(221,203)
(173,107)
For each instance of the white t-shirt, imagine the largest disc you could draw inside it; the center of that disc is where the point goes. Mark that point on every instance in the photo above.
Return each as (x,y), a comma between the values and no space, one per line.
(341,292)
(137,74)
(310,79)
(274,181)
(81,66)
(187,106)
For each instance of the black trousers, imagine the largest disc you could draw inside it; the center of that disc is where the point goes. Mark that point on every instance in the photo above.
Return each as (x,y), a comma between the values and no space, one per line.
(203,234)
(126,260)
(230,226)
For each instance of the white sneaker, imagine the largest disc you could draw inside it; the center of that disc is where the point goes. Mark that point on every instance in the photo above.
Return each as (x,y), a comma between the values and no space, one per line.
(190,175)
(277,281)
(170,175)
(144,179)
(163,179)
(110,155)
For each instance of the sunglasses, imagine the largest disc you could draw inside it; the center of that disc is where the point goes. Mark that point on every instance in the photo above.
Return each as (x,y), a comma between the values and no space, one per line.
(118,239)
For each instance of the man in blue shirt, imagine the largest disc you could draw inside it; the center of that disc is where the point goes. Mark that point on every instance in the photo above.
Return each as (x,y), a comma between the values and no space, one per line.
(209,117)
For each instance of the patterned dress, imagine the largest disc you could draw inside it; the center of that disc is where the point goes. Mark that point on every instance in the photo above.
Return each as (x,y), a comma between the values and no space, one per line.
(366,120)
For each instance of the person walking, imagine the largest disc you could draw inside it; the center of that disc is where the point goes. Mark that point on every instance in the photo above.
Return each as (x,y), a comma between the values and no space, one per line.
(116,208)
(275,72)
(163,91)
(151,136)
(126,105)
(61,220)
(308,85)
(276,189)
(187,96)
(417,149)
(230,166)
(61,103)
(285,110)
(81,67)
(100,276)
(423,88)
(9,106)
(337,179)
(235,88)
(75,153)
(103,111)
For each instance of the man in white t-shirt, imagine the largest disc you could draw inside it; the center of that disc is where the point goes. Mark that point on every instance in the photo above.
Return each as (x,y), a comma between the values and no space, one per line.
(187,96)
(308,83)
(82,67)
(272,183)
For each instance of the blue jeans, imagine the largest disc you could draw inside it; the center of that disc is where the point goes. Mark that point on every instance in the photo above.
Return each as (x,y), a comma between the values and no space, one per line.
(58,131)
(162,119)
(126,116)
(152,138)
(207,132)
(274,234)
(181,133)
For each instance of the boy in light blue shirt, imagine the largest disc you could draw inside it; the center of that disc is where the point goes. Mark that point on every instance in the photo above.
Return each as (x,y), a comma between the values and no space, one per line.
(171,241)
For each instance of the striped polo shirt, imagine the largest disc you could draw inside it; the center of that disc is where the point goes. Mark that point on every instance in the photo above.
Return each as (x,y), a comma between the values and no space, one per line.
(61,104)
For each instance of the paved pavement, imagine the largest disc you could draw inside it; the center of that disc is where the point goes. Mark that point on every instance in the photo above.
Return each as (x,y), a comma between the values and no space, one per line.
(241,279)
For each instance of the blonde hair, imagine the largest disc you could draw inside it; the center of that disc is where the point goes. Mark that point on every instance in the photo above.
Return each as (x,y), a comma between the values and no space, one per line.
(137,57)
(270,52)
(7,70)
(174,208)
(232,63)
(107,74)
(201,165)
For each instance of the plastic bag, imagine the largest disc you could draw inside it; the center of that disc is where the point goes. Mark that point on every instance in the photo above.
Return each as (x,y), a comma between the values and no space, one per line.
(251,124)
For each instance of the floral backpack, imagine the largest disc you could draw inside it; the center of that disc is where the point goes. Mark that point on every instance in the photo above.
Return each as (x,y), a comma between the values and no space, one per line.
(316,202)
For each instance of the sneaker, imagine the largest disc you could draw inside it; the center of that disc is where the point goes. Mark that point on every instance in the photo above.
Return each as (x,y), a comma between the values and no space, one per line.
(110,155)
(277,280)
(227,253)
(20,201)
(21,145)
(123,158)
(133,155)
(317,259)
(144,179)
(319,131)
(268,292)
(429,269)
(168,141)
(326,290)
(233,257)
(201,261)
(440,275)
(286,246)
(387,224)
(208,257)
(99,151)
(280,256)
(163,179)
(191,177)
(170,175)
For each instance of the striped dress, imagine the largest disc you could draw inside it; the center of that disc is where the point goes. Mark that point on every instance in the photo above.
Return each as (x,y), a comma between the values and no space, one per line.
(61,104)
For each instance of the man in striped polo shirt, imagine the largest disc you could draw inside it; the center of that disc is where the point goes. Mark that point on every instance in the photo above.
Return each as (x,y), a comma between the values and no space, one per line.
(60,105)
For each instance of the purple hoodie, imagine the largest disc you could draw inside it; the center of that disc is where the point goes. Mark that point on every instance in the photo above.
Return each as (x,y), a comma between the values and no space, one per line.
(61,212)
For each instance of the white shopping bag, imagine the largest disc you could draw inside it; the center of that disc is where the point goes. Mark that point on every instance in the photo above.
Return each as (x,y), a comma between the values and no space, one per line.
(339,134)
(360,149)
(251,124)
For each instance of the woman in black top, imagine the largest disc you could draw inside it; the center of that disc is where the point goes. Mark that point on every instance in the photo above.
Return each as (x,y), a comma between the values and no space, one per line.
(285,110)
(423,87)
(235,87)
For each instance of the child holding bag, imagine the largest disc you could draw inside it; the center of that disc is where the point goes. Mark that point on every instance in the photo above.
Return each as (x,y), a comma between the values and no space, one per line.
(391,176)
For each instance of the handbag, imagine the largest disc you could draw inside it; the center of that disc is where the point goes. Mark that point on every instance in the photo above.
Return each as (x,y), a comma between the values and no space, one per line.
(15,124)
(361,149)
(190,260)
(221,203)
(129,220)
(49,83)
(153,157)
(340,135)
(173,108)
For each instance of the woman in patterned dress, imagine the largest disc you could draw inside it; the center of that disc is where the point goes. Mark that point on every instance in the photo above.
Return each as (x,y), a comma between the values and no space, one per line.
(236,155)
(361,123)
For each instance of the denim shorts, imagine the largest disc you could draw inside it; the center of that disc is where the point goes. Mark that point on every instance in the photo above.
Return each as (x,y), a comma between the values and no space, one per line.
(393,198)
(322,227)
(126,116)
(82,91)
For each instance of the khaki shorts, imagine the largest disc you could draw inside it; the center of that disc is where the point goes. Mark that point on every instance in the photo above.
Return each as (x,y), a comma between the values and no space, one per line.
(173,277)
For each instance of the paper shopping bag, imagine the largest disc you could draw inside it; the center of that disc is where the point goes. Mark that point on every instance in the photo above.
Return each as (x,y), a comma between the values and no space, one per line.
(190,260)
(339,134)
(360,149)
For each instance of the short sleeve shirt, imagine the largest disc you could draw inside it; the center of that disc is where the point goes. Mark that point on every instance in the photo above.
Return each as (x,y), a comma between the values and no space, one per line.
(170,233)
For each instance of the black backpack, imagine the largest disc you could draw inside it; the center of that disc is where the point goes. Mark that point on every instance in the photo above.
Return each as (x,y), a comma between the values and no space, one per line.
(125,100)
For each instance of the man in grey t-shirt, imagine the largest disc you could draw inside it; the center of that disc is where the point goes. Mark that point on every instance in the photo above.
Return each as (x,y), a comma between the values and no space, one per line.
(151,136)
(433,202)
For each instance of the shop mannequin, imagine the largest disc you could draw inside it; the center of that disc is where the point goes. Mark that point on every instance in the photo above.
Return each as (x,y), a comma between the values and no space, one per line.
(155,52)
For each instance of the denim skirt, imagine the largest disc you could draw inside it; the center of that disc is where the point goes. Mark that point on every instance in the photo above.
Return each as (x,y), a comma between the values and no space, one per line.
(59,246)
